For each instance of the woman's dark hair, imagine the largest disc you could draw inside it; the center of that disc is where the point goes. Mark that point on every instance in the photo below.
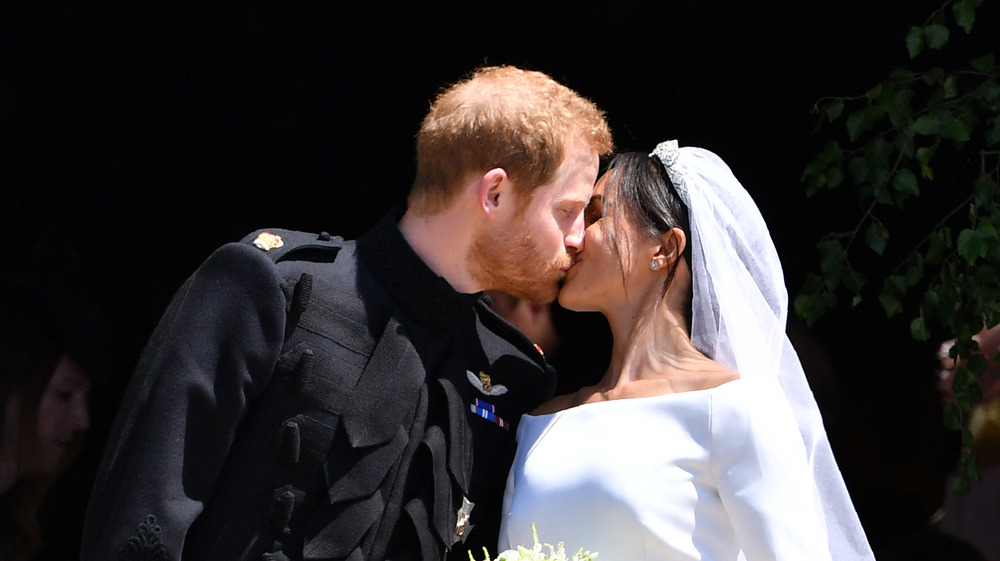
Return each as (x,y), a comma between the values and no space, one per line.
(639,190)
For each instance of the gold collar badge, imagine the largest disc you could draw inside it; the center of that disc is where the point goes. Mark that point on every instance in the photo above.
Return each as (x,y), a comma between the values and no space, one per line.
(268,241)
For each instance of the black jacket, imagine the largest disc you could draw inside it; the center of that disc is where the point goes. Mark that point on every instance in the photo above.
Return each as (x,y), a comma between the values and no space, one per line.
(319,400)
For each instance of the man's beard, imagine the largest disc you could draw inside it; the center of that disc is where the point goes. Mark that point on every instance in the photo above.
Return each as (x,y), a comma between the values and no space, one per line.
(513,264)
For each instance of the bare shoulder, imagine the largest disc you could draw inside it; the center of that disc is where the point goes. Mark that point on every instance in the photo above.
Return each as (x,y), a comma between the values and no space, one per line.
(706,375)
(717,374)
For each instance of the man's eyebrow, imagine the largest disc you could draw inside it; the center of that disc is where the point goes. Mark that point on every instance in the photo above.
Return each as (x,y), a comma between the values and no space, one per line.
(567,199)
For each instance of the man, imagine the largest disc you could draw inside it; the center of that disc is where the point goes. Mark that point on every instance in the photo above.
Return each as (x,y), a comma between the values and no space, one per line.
(309,398)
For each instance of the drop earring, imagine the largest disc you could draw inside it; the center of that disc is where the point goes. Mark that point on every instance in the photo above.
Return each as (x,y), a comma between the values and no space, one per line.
(654,265)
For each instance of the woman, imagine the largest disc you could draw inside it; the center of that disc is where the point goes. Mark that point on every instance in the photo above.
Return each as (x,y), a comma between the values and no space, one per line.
(702,440)
(43,398)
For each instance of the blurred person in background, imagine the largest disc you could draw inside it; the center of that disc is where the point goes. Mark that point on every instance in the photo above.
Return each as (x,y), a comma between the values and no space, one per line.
(44,396)
(975,516)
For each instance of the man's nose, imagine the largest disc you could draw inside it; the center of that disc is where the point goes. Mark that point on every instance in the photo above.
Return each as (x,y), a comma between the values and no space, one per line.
(575,236)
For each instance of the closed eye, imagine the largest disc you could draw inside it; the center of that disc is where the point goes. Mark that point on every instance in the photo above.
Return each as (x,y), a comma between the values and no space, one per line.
(571,213)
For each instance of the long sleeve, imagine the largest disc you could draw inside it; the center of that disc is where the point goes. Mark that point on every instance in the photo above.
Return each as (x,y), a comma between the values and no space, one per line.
(212,353)
(763,477)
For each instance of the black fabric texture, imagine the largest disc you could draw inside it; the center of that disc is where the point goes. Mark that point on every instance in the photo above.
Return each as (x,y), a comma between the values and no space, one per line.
(326,410)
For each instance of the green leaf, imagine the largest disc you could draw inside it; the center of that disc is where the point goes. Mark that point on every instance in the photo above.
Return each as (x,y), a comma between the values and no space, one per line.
(811,176)
(919,329)
(924,155)
(811,305)
(857,123)
(931,297)
(898,283)
(952,416)
(956,129)
(825,170)
(802,305)
(833,277)
(927,125)
(965,13)
(890,303)
(813,168)
(830,254)
(905,185)
(993,317)
(993,135)
(915,41)
(989,93)
(834,110)
(900,76)
(880,151)
(983,63)
(819,305)
(859,170)
(938,244)
(812,285)
(967,392)
(831,153)
(951,86)
(883,195)
(985,190)
(977,365)
(967,435)
(898,106)
(935,75)
(834,177)
(877,237)
(971,246)
(967,373)
(936,36)
(970,470)
(855,281)
(986,232)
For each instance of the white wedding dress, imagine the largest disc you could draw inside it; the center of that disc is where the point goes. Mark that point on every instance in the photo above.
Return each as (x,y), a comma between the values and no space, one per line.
(693,475)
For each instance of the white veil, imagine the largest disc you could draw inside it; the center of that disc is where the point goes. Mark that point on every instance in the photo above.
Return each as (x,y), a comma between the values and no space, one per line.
(740,310)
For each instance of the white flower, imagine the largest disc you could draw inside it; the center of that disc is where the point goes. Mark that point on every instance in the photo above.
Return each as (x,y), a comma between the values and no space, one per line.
(557,553)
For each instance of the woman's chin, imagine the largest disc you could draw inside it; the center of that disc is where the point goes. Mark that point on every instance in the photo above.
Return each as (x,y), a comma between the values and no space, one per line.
(569,299)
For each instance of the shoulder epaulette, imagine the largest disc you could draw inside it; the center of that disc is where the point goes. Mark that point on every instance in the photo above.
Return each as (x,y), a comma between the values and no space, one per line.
(281,244)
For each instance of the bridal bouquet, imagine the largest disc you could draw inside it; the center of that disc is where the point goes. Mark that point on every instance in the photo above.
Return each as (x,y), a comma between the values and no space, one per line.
(557,553)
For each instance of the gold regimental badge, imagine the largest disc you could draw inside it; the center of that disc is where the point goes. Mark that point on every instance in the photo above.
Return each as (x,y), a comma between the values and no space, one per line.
(268,241)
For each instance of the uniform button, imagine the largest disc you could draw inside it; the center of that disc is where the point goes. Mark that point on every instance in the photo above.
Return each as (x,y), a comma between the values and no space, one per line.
(281,509)
(290,442)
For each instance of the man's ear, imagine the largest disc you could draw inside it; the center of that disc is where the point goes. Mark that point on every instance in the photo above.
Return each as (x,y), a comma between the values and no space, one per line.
(494,190)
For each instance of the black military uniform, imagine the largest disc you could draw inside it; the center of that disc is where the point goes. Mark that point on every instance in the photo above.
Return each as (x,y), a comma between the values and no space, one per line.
(318,400)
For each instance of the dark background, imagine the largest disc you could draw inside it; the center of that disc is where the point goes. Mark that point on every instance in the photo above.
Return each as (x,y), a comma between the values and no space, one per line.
(136,138)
